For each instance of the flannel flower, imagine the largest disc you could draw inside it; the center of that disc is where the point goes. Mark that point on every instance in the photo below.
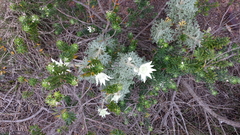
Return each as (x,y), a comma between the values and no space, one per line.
(103,112)
(145,70)
(60,63)
(90,29)
(101,78)
(116,97)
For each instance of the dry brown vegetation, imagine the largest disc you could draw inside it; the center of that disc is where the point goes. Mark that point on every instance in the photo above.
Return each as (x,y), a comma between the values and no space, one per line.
(191,110)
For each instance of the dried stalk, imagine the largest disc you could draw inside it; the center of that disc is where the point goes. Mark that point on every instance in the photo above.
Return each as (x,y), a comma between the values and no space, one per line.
(209,110)
(26,119)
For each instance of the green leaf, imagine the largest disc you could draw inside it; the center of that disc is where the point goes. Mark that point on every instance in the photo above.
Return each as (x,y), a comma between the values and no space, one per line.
(68,117)
(113,88)
(21,79)
(117,132)
(113,107)
(35,130)
(32,81)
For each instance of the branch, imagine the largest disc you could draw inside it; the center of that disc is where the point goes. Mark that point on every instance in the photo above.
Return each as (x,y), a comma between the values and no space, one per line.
(223,54)
(100,123)
(73,17)
(26,119)
(150,22)
(207,109)
(87,7)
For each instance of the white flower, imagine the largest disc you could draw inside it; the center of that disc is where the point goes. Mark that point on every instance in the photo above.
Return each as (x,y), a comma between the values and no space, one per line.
(35,18)
(129,59)
(103,112)
(60,63)
(102,77)
(145,70)
(90,29)
(116,97)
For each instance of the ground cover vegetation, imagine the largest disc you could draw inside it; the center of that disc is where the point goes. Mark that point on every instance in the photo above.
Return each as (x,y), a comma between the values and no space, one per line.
(97,67)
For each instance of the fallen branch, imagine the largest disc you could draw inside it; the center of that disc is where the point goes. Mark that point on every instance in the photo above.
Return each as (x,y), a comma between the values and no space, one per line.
(209,110)
(26,119)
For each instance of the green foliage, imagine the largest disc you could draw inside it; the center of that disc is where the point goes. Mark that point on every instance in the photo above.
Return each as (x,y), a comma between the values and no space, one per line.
(111,89)
(68,100)
(21,6)
(114,19)
(27,94)
(35,130)
(113,107)
(179,24)
(20,45)
(104,56)
(183,49)
(68,51)
(54,99)
(21,79)
(144,102)
(68,117)
(205,63)
(132,46)
(32,81)
(56,81)
(58,28)
(204,6)
(4,133)
(117,132)
(93,67)
(62,129)
(186,10)
(29,25)
(90,133)
(142,10)
(60,74)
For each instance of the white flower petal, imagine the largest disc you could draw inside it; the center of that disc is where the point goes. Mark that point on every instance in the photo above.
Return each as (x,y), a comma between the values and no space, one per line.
(129,59)
(103,112)
(135,69)
(101,78)
(54,61)
(60,63)
(145,70)
(90,29)
(116,97)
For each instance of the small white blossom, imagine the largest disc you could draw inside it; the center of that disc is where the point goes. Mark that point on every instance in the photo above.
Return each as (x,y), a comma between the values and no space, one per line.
(103,112)
(116,97)
(129,59)
(145,70)
(108,12)
(90,29)
(60,63)
(101,78)
(35,18)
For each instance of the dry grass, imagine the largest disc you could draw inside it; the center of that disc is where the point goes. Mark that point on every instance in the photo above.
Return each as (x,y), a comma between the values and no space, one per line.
(176,112)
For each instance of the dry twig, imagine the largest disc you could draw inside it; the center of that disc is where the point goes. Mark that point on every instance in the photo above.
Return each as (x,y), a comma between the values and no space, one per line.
(26,119)
(207,109)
